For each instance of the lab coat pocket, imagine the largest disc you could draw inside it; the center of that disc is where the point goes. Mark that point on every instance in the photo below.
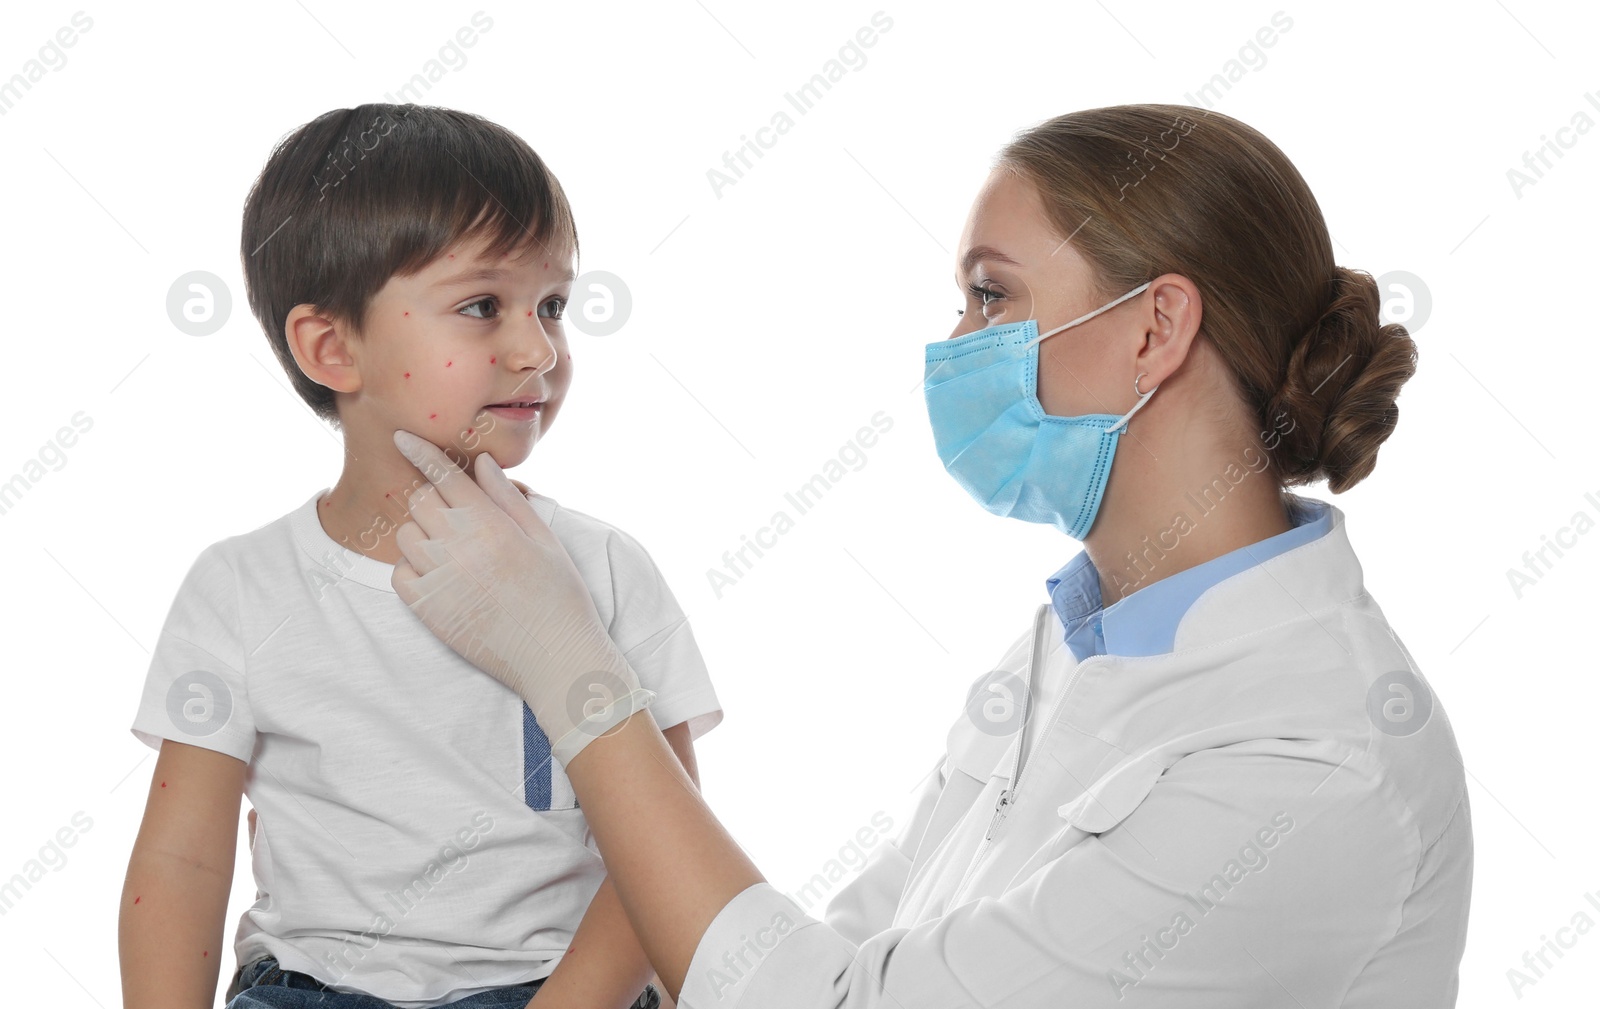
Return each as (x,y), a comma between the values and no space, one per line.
(1116,794)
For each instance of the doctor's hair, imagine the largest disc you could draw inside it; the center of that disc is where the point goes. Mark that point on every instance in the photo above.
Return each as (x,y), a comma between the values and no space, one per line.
(359,195)
(1149,189)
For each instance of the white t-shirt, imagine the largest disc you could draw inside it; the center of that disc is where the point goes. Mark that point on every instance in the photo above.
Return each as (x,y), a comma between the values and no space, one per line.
(415,840)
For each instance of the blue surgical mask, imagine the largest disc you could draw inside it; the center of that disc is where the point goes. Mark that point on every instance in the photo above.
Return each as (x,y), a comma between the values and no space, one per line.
(995,439)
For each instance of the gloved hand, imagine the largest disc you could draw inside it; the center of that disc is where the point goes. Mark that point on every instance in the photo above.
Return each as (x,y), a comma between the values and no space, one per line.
(489,578)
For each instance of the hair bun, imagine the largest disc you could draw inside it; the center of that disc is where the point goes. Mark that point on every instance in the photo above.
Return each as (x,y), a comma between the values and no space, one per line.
(1340,388)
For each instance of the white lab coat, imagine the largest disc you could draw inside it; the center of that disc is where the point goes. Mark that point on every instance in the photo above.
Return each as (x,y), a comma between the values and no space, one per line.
(1273,813)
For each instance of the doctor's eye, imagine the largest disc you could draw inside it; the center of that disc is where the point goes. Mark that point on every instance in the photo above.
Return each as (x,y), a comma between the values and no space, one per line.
(983,294)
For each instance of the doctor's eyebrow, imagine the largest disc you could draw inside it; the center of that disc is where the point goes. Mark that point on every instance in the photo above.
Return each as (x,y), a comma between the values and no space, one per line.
(978,252)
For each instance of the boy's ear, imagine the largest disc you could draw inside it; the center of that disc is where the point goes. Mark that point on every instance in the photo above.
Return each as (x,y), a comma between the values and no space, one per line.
(320,347)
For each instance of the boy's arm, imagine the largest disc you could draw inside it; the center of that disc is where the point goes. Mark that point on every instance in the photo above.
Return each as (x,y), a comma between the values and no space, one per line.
(605,967)
(175,896)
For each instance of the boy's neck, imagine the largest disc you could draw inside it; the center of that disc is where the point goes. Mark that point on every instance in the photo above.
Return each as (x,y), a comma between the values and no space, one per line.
(364,510)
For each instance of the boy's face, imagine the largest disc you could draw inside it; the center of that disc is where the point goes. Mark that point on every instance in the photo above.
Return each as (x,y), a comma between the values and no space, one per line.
(444,346)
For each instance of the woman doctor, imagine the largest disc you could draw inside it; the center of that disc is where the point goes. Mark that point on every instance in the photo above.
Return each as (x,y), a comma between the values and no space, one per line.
(1208,773)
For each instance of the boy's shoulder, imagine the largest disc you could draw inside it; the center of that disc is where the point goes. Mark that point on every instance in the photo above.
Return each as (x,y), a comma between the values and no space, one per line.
(583,533)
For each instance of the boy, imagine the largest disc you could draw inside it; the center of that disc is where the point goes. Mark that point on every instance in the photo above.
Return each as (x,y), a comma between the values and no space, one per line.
(410,266)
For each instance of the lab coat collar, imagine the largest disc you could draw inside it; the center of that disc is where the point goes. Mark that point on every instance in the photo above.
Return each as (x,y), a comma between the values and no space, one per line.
(1145,621)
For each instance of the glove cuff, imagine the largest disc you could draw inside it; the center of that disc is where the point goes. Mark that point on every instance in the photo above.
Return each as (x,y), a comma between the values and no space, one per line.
(599,723)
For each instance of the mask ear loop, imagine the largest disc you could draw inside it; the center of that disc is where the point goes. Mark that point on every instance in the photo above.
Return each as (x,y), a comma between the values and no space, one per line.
(1144,397)
(1108,306)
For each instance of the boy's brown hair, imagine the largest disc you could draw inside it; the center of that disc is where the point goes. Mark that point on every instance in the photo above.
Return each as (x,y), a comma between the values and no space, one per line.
(359,195)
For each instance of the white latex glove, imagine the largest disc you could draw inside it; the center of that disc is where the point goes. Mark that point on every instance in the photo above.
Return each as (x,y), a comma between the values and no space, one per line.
(488,577)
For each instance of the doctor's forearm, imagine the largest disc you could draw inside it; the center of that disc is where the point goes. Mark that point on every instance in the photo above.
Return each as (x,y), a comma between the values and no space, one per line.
(673,864)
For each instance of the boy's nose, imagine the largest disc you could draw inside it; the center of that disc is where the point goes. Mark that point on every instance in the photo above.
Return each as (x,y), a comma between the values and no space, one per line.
(533,348)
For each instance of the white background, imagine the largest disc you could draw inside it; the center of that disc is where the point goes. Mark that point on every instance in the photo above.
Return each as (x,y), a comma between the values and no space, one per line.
(768,325)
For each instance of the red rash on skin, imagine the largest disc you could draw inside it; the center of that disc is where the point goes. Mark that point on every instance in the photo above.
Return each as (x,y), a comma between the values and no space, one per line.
(408,315)
(137,899)
(491,360)
(408,374)
(448,363)
(432,415)
(163,784)
(530,312)
(469,430)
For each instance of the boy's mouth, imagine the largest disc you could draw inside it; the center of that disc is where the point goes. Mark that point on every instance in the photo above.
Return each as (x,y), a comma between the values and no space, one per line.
(517,409)
(516,403)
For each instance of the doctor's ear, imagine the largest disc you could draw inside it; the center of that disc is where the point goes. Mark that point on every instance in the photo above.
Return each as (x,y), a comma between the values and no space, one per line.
(1171,324)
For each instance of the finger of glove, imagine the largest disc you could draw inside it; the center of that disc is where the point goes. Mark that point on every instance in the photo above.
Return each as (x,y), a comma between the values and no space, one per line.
(508,498)
(424,553)
(404,580)
(454,486)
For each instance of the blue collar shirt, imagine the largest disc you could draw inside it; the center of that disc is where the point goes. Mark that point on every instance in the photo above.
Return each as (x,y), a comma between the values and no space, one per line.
(1145,621)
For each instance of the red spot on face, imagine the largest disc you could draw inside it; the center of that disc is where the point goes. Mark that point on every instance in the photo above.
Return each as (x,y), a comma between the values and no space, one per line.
(408,315)
(491,360)
(547,266)
(448,363)
(137,899)
(205,952)
(432,415)
(530,311)
(452,255)
(408,374)
(163,784)
(469,430)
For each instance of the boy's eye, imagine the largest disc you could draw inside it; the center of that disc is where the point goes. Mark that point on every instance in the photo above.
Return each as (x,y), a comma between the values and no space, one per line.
(488,300)
(551,309)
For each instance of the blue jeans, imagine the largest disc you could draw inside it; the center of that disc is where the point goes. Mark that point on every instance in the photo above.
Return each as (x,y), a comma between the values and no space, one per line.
(264,983)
